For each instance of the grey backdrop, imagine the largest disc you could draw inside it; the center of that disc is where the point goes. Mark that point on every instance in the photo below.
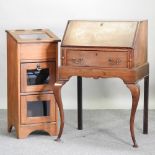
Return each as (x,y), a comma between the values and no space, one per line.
(101,93)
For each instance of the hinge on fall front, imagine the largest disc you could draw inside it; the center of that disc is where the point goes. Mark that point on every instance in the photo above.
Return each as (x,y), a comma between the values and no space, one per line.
(130,60)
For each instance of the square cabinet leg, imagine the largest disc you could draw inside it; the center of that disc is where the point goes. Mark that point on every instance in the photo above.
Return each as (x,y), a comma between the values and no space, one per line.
(146,102)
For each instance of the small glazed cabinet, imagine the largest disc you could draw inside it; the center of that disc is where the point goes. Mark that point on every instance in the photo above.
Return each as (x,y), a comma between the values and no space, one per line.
(31,74)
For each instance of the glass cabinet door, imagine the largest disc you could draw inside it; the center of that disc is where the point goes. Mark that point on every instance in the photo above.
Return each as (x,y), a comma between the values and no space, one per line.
(38,108)
(34,36)
(37,76)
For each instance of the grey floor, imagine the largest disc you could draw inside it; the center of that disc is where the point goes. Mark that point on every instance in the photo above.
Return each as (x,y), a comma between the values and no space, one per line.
(106,132)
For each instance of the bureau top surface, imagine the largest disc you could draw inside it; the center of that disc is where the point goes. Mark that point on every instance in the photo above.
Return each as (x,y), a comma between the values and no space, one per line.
(34,35)
(100,33)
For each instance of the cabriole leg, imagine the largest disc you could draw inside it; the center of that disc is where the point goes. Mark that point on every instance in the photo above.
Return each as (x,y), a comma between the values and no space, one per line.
(57,93)
(135,92)
(9,128)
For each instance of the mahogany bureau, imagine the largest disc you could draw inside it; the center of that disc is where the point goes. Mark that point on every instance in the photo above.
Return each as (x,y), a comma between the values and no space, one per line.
(31,63)
(106,49)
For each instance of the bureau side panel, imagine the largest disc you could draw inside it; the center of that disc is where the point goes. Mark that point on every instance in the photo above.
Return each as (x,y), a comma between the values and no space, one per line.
(140,45)
(12,82)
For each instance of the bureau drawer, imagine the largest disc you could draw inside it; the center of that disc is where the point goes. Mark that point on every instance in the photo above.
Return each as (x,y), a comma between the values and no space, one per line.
(38,51)
(96,58)
(38,76)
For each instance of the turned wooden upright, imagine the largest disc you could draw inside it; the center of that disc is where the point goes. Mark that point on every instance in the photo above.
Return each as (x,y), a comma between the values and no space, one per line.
(101,49)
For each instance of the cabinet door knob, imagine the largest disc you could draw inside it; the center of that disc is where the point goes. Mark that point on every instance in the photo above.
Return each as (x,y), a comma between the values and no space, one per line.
(38,67)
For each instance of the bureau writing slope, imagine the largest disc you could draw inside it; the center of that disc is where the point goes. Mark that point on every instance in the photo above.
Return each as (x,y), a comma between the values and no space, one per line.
(106,49)
(31,63)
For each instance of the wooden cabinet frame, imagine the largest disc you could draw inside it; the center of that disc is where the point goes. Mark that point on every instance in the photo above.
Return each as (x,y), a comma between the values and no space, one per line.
(25,53)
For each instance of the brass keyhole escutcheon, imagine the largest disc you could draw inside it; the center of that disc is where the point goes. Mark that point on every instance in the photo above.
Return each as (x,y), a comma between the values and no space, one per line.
(101,24)
(104,73)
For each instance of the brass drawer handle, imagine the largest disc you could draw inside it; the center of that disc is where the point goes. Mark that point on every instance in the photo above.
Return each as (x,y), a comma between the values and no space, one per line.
(77,61)
(38,67)
(115,61)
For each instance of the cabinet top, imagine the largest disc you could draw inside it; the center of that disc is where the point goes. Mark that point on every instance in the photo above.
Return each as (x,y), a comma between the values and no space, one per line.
(100,33)
(34,35)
